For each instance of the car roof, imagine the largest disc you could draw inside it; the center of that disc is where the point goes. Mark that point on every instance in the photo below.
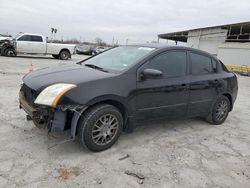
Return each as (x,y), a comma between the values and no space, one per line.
(166,46)
(150,45)
(30,34)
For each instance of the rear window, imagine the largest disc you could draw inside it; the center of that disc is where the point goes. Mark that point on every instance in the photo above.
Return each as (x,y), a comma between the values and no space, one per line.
(224,68)
(36,38)
(201,64)
(214,65)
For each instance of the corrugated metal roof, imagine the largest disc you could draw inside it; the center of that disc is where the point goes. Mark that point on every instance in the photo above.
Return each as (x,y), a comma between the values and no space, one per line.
(183,35)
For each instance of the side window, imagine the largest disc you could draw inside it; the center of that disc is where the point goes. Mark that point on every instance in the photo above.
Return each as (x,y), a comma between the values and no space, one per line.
(36,38)
(24,38)
(171,63)
(201,64)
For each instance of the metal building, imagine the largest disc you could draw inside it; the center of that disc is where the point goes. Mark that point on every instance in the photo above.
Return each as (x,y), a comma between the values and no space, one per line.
(230,43)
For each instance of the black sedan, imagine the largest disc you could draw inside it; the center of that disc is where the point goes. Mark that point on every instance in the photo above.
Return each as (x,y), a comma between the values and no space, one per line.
(106,94)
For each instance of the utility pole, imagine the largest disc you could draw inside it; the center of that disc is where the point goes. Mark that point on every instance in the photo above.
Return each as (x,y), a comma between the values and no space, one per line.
(52,31)
(55,31)
(113,41)
(126,41)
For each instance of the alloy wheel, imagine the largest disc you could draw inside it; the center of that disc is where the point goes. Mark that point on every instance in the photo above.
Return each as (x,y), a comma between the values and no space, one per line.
(105,129)
(221,110)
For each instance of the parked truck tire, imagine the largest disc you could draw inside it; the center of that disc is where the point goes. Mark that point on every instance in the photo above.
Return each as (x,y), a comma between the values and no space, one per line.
(10,52)
(55,56)
(64,55)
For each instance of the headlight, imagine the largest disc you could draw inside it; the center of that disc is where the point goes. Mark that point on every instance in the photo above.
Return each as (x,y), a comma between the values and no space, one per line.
(51,94)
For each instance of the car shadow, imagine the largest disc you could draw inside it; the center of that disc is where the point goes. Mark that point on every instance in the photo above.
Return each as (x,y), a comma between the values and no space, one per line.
(143,133)
(34,57)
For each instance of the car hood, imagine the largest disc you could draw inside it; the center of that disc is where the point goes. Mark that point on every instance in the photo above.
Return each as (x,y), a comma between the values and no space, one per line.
(73,74)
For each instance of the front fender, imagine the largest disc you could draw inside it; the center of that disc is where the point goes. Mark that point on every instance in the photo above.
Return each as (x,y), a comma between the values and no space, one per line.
(122,100)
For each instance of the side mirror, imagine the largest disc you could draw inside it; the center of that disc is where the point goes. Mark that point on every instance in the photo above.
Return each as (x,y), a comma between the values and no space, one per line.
(150,73)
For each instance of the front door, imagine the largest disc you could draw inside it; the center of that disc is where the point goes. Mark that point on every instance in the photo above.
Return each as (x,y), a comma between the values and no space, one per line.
(165,96)
(23,44)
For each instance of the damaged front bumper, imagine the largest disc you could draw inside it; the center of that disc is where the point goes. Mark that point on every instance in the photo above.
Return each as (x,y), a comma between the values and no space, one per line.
(38,115)
(54,119)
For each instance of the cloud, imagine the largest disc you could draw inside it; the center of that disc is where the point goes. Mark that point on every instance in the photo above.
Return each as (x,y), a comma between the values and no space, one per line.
(139,20)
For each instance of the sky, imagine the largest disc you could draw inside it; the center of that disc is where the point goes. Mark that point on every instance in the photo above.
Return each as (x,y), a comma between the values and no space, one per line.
(132,20)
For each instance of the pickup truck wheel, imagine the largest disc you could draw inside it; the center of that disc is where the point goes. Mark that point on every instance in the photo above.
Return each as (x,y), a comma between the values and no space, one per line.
(64,55)
(10,52)
(55,56)
(219,111)
(100,127)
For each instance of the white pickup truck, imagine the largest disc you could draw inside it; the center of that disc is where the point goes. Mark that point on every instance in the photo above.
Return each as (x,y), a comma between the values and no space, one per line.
(27,43)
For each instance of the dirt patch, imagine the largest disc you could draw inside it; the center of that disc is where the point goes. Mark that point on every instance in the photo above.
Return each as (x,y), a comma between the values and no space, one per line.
(67,173)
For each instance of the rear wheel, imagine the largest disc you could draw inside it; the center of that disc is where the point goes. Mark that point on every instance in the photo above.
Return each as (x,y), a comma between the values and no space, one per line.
(10,52)
(219,111)
(100,127)
(64,55)
(55,56)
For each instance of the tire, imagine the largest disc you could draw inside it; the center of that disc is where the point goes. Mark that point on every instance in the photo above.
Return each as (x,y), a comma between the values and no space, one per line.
(64,55)
(10,52)
(220,111)
(2,51)
(55,56)
(94,133)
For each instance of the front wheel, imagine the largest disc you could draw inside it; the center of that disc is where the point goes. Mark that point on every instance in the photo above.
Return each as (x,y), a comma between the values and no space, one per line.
(10,52)
(100,127)
(219,111)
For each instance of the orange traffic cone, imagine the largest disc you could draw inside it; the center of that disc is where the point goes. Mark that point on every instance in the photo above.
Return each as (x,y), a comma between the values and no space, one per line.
(31,68)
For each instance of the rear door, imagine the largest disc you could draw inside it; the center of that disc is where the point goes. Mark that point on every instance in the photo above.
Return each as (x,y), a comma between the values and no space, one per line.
(38,44)
(166,96)
(204,83)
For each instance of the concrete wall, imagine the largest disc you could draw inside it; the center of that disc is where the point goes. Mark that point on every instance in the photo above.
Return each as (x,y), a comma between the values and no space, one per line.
(207,39)
(234,53)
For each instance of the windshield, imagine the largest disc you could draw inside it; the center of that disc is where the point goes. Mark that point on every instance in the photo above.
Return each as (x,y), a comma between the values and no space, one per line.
(19,34)
(119,58)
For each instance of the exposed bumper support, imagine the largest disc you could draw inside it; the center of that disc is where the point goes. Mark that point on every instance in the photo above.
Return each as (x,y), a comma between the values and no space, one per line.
(74,121)
(57,122)
(33,112)
(59,117)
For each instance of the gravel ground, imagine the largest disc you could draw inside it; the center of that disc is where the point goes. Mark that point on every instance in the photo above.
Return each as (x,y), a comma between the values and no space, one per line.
(181,153)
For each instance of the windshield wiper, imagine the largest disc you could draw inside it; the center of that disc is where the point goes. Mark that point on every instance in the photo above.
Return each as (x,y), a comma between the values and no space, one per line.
(95,67)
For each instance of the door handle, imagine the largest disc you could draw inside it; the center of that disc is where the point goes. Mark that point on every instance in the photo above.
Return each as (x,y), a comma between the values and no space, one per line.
(216,81)
(184,86)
